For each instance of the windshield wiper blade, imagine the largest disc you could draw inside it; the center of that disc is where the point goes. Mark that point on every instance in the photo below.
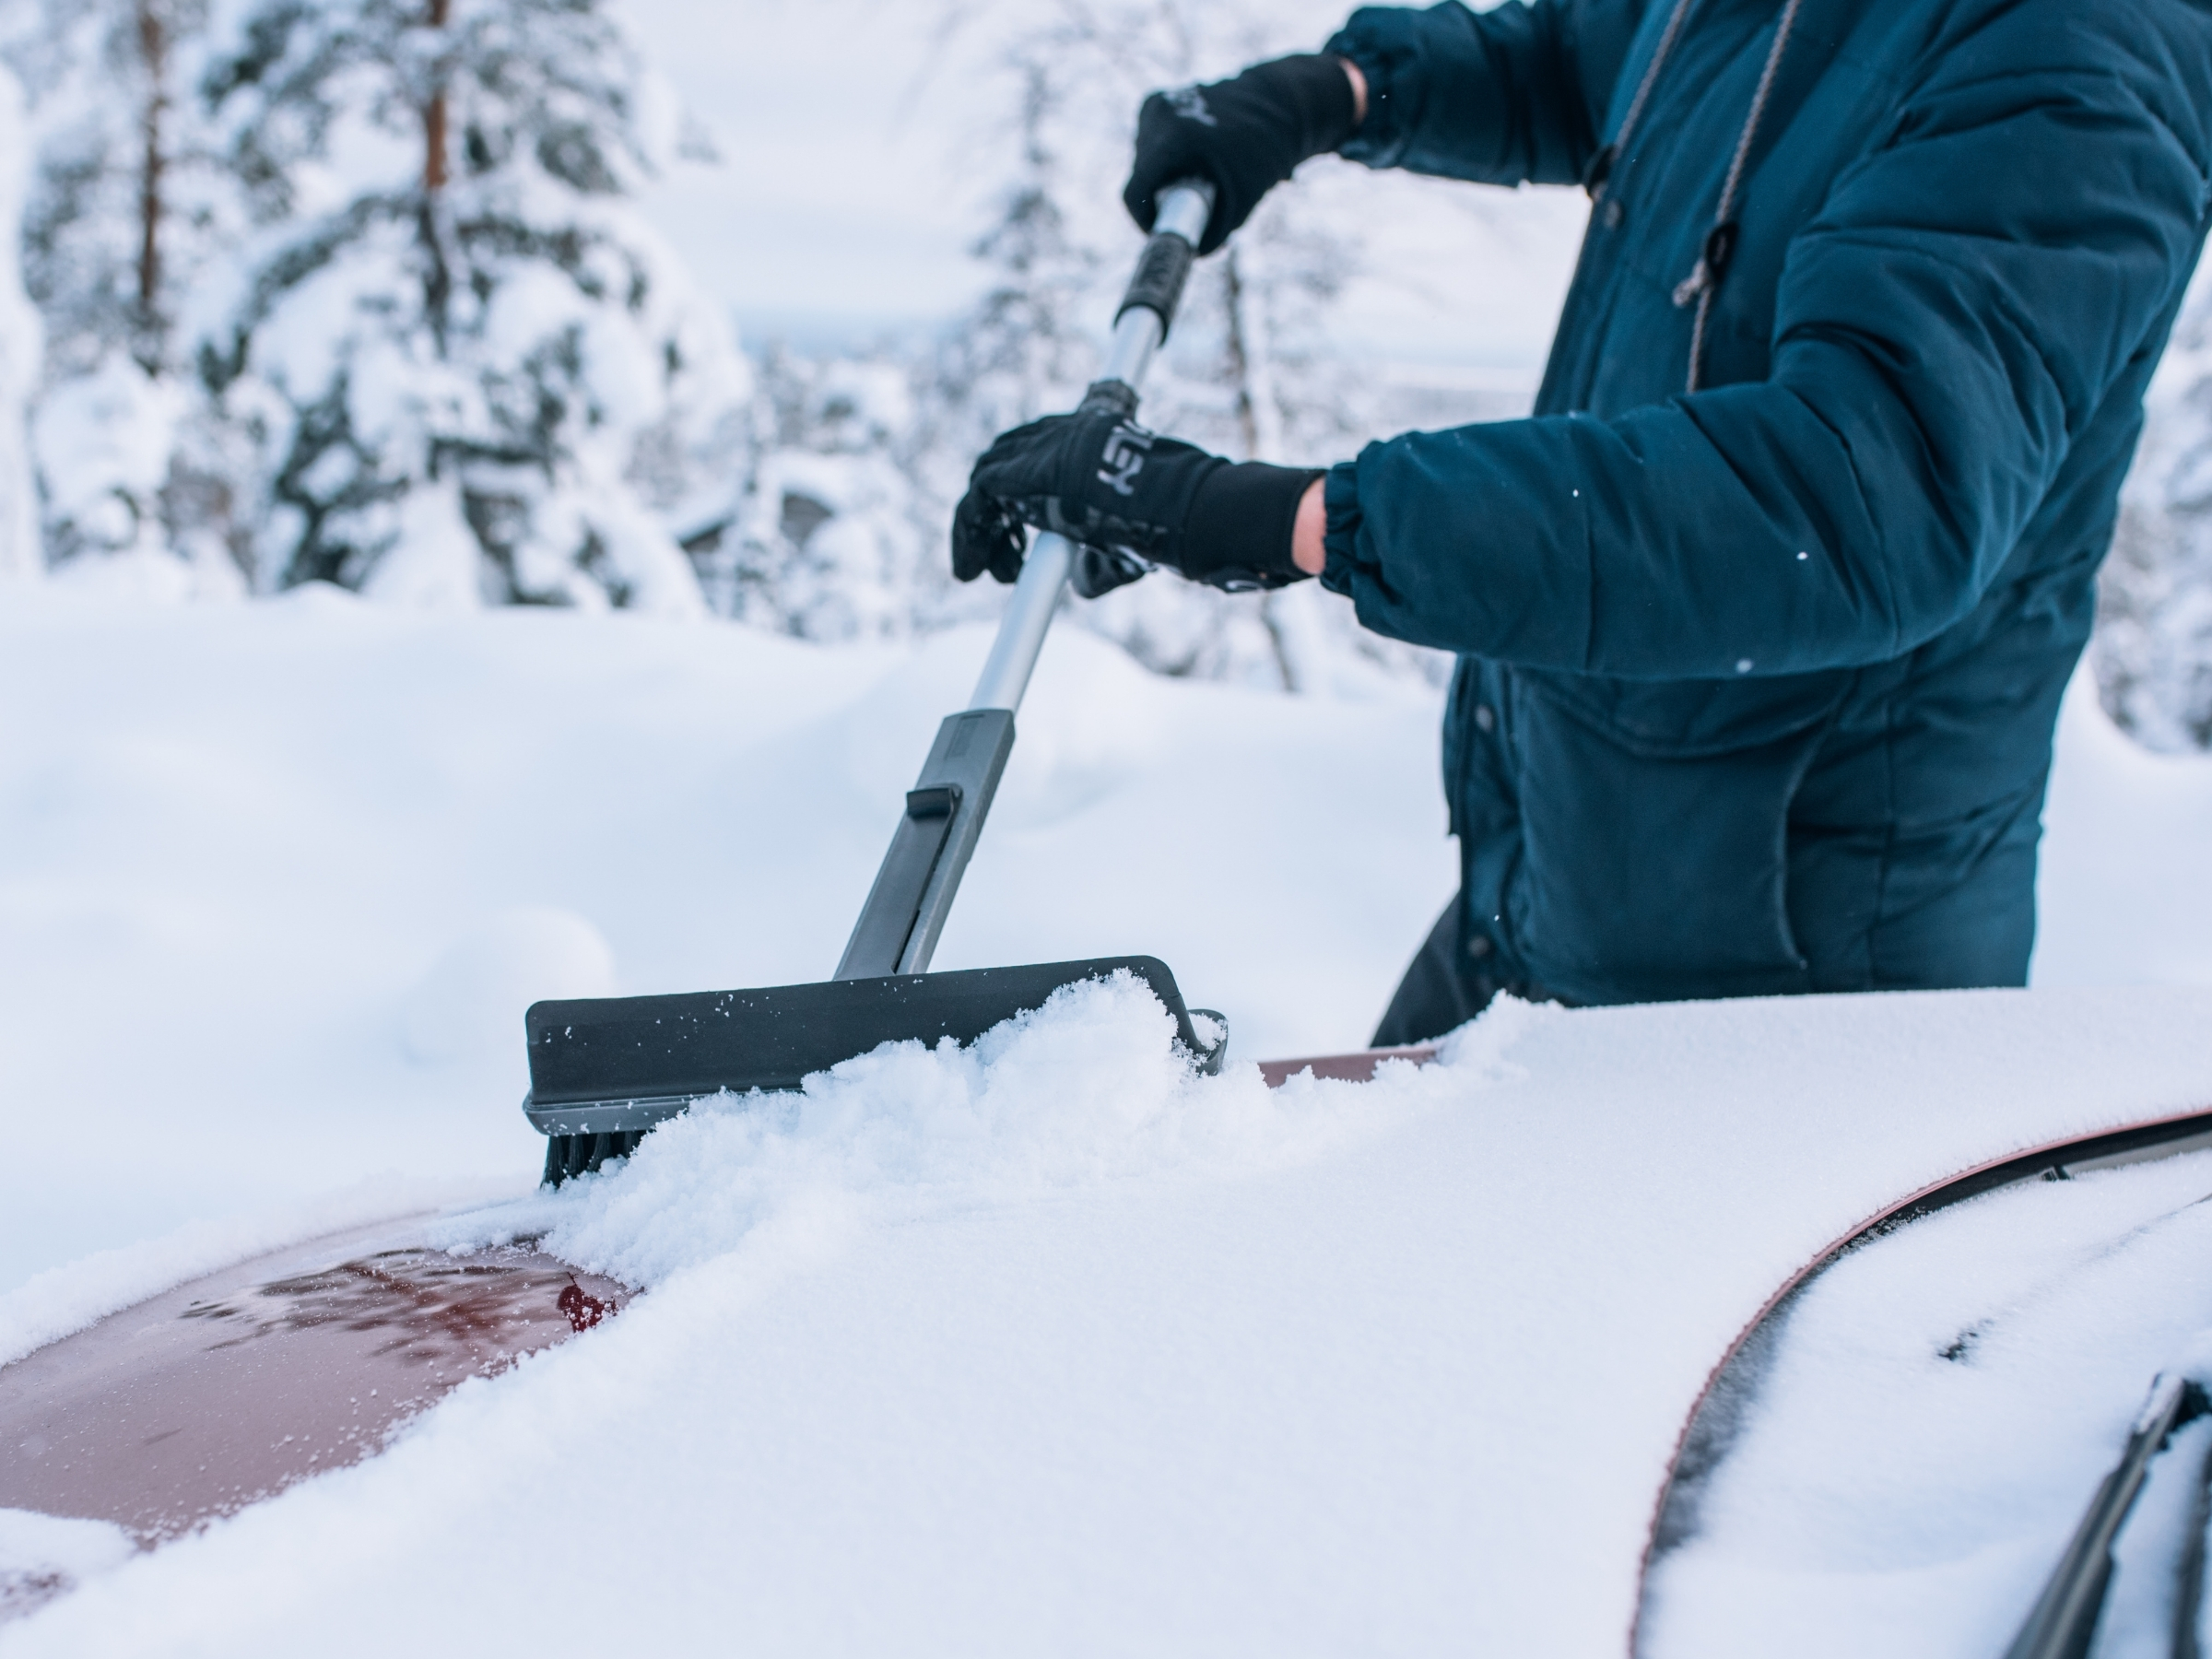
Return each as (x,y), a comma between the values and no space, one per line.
(2064,1619)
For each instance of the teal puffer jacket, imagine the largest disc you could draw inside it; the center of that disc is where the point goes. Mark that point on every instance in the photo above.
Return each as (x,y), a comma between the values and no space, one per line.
(1757,681)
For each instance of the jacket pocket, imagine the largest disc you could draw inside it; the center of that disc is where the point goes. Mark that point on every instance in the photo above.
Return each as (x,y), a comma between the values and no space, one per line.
(1689,719)
(1654,839)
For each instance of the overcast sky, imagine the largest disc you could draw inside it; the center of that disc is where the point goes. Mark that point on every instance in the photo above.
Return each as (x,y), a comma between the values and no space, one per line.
(838,205)
(832,199)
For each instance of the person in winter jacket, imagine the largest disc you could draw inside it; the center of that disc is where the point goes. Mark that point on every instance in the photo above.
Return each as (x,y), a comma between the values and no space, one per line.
(1764,616)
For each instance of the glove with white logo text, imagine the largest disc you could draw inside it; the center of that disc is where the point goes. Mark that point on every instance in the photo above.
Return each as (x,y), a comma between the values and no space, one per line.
(1245,135)
(1132,500)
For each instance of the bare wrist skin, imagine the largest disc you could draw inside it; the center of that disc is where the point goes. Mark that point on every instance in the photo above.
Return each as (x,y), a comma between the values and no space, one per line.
(1306,549)
(1358,90)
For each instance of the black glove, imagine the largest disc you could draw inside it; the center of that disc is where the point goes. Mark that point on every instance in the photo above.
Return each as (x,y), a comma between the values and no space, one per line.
(1245,135)
(1131,499)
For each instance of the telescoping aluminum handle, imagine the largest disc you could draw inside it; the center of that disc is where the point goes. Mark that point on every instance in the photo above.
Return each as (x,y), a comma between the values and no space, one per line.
(1137,333)
(944,811)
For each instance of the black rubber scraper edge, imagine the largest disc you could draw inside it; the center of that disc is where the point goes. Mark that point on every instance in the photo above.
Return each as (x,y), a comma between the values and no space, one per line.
(617,1065)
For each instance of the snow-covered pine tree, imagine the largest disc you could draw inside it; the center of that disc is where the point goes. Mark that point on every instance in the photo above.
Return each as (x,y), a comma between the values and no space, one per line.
(839,529)
(20,558)
(457,364)
(101,228)
(825,539)
(2153,648)
(123,211)
(1029,346)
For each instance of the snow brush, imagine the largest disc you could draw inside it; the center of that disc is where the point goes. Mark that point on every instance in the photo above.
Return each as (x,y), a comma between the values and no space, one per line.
(604,1071)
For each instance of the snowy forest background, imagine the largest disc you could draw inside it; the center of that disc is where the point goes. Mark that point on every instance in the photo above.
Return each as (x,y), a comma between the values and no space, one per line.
(367,292)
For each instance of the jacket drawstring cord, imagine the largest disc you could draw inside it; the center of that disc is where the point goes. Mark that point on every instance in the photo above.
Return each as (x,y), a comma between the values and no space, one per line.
(1719,242)
(1601,164)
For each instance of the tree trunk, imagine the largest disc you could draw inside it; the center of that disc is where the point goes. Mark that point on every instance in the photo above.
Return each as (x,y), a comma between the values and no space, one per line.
(153,51)
(433,115)
(438,276)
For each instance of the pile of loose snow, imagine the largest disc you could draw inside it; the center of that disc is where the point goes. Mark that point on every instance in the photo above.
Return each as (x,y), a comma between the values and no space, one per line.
(1090,1089)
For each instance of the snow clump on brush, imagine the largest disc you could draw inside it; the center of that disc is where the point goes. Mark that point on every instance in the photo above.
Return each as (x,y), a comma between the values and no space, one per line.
(1090,1089)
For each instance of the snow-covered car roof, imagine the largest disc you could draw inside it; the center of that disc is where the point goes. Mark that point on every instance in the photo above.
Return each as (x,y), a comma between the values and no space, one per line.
(1049,1346)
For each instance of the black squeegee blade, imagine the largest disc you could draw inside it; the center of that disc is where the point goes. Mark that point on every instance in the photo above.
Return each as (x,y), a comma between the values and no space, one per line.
(607,1065)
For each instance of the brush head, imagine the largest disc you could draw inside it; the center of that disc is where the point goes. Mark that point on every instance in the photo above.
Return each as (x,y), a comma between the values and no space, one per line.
(611,1065)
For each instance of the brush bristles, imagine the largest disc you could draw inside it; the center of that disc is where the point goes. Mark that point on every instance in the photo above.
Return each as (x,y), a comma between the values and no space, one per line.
(571,1155)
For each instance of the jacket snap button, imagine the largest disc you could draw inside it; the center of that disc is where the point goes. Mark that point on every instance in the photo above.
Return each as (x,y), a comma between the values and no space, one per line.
(1478,947)
(1612,213)
(1484,719)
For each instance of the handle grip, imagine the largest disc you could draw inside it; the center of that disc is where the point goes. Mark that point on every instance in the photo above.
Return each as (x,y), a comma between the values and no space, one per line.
(1169,254)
